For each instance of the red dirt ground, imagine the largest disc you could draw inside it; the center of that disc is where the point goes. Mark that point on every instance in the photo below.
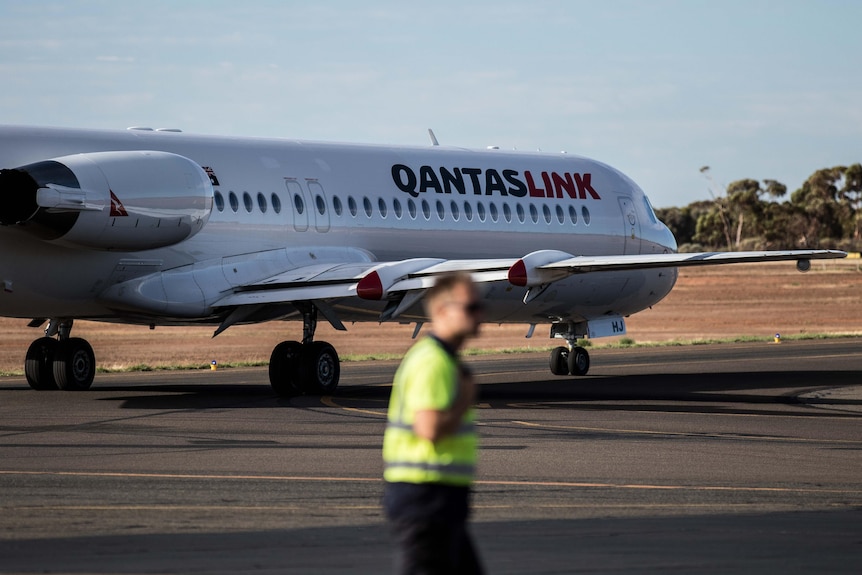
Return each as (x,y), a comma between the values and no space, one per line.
(708,302)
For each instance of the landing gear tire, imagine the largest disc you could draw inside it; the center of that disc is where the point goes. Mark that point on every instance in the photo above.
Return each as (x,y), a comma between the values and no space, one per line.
(286,368)
(312,368)
(322,368)
(39,364)
(560,361)
(579,361)
(74,364)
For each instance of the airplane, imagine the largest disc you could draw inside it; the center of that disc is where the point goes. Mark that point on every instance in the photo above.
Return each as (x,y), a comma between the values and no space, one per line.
(160,227)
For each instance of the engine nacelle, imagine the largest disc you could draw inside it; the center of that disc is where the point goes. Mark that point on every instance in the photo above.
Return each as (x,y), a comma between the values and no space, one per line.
(134,200)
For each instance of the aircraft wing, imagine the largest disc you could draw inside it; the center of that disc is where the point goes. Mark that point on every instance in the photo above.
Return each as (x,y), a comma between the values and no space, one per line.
(403,283)
(368,280)
(547,266)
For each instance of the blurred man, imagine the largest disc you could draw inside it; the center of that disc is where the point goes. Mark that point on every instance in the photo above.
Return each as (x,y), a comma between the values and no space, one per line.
(429,449)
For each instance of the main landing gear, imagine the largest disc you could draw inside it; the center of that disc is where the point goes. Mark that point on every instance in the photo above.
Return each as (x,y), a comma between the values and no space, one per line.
(571,359)
(310,367)
(65,363)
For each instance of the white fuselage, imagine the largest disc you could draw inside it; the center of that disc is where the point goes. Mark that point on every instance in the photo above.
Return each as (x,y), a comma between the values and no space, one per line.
(281,201)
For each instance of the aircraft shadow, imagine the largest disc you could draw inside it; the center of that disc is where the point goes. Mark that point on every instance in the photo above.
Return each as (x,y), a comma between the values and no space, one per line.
(662,392)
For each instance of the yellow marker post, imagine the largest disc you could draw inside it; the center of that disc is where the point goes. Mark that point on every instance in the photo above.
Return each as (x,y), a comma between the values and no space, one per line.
(213,365)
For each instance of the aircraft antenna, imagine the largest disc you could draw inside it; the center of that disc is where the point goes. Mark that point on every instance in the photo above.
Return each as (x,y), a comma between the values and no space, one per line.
(434,141)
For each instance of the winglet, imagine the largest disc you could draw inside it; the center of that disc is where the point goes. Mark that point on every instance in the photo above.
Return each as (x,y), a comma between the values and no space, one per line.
(434,141)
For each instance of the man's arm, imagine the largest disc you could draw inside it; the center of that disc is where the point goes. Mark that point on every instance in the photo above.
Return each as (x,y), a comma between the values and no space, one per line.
(434,425)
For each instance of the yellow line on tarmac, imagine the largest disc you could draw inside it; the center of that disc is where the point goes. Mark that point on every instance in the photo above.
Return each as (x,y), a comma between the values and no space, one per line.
(190,476)
(328,401)
(168,507)
(488,482)
(687,434)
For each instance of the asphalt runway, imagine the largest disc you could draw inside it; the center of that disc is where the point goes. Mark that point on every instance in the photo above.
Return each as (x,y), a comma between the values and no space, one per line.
(733,458)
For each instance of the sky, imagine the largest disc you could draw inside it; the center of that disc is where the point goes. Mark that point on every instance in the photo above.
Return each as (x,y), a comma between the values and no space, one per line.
(762,89)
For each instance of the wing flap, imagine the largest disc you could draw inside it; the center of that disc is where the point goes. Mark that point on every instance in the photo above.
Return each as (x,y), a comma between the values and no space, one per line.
(368,280)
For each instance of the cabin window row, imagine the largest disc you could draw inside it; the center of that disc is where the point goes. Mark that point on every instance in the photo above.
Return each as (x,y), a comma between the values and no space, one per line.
(413,209)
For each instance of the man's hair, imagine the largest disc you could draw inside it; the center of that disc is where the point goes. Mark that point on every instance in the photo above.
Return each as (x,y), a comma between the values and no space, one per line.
(445,284)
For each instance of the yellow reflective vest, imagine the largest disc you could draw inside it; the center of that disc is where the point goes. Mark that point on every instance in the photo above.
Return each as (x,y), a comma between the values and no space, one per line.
(427,379)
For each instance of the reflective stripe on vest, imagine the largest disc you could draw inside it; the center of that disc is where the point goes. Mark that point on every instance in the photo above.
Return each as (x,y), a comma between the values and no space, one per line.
(463,429)
(453,468)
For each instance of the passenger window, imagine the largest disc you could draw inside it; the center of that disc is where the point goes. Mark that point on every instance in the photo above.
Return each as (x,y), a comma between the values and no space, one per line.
(381,205)
(276,203)
(480,211)
(521,215)
(337,205)
(411,209)
(494,213)
(426,209)
(468,211)
(219,201)
(351,205)
(534,214)
(573,215)
(246,199)
(455,213)
(261,202)
(441,211)
(369,209)
(547,212)
(396,203)
(561,215)
(507,212)
(298,203)
(234,201)
(586,215)
(321,205)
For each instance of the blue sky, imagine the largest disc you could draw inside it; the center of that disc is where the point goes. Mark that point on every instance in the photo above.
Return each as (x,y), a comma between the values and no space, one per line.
(754,89)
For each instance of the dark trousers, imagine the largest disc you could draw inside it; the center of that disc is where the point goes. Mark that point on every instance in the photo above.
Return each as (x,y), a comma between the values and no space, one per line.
(429,524)
(434,548)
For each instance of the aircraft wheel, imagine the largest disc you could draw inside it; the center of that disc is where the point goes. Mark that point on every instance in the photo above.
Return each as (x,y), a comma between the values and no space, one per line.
(579,361)
(285,367)
(74,364)
(322,368)
(39,364)
(560,361)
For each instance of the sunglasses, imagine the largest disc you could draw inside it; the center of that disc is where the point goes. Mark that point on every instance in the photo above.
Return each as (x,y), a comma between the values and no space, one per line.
(472,308)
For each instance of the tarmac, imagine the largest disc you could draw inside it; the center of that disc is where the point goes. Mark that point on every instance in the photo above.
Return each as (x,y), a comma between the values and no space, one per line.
(732,458)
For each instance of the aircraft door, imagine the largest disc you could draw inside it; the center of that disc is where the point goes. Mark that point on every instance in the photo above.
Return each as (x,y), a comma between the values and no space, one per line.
(300,204)
(631,226)
(318,206)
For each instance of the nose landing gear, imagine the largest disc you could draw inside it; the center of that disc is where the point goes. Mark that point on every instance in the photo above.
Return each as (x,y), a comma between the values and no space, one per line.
(571,359)
(565,361)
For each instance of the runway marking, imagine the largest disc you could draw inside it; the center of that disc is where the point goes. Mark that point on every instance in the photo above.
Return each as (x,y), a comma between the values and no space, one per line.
(330,402)
(168,507)
(487,482)
(688,434)
(190,476)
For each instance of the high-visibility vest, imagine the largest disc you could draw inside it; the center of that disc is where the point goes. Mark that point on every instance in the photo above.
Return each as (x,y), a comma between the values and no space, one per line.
(427,379)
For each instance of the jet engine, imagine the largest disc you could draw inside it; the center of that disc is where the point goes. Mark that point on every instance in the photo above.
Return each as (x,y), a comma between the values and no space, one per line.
(131,200)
